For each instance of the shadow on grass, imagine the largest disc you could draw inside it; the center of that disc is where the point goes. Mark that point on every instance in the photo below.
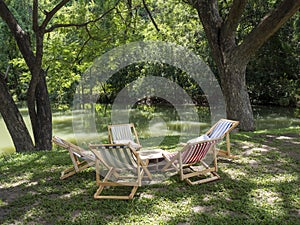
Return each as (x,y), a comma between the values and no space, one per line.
(261,187)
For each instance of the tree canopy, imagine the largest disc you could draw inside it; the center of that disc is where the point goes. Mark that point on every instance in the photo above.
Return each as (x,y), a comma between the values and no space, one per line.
(47,45)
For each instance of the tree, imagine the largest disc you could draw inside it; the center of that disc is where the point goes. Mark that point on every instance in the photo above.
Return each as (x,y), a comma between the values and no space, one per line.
(37,95)
(38,101)
(232,54)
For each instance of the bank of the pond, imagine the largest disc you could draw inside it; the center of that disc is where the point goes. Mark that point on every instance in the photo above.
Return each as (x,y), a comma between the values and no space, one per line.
(156,124)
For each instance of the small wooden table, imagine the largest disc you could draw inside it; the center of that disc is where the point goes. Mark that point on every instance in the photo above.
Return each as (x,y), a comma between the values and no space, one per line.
(152,155)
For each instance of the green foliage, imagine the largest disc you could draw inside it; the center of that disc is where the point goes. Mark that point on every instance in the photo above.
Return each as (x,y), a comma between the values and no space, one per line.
(272,76)
(10,57)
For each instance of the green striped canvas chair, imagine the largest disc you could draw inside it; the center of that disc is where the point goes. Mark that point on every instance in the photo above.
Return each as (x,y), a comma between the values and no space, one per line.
(124,134)
(190,164)
(118,165)
(222,129)
(81,158)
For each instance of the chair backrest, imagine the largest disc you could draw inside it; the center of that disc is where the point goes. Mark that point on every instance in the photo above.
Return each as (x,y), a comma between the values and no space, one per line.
(114,155)
(122,132)
(195,152)
(75,149)
(221,128)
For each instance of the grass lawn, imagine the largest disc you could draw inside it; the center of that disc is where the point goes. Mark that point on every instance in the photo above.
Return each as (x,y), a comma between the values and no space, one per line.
(261,187)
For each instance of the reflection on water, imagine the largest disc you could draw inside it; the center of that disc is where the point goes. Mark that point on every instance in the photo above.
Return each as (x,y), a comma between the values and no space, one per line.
(153,125)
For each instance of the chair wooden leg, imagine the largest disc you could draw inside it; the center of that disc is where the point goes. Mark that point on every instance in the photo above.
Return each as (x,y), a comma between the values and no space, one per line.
(227,153)
(98,195)
(105,182)
(214,177)
(72,170)
(211,170)
(170,163)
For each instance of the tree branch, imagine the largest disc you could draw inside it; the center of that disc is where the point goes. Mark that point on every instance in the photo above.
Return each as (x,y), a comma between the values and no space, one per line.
(55,26)
(150,15)
(6,72)
(208,12)
(19,34)
(35,24)
(49,15)
(230,25)
(268,26)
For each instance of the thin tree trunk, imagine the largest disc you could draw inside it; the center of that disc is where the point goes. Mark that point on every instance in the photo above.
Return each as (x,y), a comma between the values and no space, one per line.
(14,120)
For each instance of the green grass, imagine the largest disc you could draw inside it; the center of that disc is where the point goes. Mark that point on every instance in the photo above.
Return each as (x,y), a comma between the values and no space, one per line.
(261,187)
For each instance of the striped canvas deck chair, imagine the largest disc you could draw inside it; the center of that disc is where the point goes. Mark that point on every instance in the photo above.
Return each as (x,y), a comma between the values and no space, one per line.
(118,165)
(80,157)
(222,129)
(124,134)
(190,163)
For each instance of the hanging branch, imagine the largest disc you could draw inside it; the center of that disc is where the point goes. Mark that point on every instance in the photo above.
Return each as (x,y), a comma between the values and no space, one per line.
(82,24)
(150,15)
(6,72)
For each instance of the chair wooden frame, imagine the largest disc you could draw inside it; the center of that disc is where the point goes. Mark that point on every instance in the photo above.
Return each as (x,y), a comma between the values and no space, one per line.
(81,158)
(189,157)
(121,133)
(231,124)
(109,157)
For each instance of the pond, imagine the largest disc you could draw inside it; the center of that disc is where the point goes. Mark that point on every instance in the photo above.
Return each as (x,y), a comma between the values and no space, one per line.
(156,124)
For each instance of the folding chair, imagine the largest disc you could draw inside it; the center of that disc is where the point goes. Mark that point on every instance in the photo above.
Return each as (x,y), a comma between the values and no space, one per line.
(81,158)
(119,165)
(190,163)
(124,134)
(221,129)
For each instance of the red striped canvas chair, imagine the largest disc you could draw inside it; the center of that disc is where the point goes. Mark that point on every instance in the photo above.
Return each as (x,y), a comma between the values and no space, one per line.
(81,158)
(124,134)
(222,129)
(119,165)
(190,163)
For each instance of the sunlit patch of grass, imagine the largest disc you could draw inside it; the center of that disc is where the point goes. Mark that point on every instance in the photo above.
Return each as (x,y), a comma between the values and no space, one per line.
(260,187)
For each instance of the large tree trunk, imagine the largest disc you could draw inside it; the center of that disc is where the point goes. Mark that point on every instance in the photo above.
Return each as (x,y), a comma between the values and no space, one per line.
(14,120)
(232,57)
(43,130)
(238,106)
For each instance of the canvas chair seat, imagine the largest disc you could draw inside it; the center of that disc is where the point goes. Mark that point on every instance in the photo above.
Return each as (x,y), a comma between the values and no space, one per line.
(189,162)
(119,165)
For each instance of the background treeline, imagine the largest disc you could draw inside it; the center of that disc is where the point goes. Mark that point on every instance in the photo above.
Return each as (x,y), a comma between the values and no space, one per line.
(272,76)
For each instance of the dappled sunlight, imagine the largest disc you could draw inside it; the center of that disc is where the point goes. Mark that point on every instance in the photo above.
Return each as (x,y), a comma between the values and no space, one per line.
(72,194)
(262,197)
(261,183)
(284,138)
(274,179)
(14,183)
(203,209)
(251,151)
(234,174)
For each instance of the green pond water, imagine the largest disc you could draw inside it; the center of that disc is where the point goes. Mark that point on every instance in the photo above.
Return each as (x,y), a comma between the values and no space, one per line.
(155,125)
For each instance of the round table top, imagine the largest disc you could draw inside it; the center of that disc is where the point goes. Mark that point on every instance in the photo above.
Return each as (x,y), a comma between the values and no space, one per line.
(151,154)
